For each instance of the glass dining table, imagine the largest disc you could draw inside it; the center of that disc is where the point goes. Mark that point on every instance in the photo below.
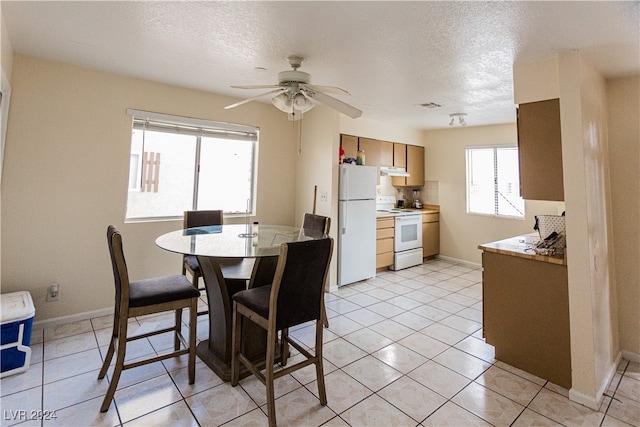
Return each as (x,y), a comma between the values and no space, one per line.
(221,244)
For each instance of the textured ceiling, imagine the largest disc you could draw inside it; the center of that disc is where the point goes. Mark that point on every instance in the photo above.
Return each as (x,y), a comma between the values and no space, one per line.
(391,56)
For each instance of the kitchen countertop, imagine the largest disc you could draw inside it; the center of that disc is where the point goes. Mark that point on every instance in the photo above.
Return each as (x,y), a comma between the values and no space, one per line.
(522,247)
(425,210)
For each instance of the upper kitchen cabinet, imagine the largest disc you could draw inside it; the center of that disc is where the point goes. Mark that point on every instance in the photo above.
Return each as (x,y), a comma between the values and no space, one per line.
(349,144)
(377,153)
(414,162)
(399,155)
(540,150)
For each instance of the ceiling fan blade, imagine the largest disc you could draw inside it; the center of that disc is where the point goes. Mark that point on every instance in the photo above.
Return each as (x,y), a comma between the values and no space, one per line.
(334,103)
(328,89)
(255,86)
(244,101)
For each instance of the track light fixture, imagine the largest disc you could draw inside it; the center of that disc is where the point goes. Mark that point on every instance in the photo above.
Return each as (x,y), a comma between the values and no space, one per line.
(460,117)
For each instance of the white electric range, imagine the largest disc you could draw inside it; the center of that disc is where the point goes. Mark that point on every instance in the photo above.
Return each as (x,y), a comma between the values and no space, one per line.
(407,242)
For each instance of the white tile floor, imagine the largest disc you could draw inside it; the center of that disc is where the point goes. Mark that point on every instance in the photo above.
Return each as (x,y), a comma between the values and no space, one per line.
(404,348)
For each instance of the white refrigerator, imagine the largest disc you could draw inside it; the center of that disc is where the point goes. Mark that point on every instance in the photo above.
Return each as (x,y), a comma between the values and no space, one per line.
(357,223)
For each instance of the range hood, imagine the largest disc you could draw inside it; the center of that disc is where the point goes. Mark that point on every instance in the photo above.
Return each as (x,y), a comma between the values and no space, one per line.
(392,171)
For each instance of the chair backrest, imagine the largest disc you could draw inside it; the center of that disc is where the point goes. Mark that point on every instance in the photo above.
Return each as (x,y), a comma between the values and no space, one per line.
(120,271)
(316,223)
(298,285)
(202,218)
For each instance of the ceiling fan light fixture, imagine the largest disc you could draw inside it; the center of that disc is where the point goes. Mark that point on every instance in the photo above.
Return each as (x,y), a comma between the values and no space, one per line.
(282,102)
(299,101)
(302,103)
(294,94)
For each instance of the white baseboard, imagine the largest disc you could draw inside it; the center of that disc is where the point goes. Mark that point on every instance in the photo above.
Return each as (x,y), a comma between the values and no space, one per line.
(590,402)
(459,261)
(630,356)
(594,402)
(50,323)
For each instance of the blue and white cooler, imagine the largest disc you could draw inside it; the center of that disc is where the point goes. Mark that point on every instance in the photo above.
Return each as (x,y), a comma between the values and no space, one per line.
(16,321)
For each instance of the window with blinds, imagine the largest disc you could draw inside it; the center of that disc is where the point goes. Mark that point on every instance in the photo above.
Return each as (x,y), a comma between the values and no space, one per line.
(493,182)
(180,164)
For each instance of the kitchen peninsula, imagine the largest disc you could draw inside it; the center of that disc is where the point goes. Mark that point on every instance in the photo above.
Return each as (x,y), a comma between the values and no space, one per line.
(526,308)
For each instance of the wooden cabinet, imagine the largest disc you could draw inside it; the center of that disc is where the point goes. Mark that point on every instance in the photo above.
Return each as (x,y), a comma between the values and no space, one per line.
(540,150)
(525,305)
(399,155)
(377,153)
(385,153)
(384,242)
(349,144)
(430,234)
(414,164)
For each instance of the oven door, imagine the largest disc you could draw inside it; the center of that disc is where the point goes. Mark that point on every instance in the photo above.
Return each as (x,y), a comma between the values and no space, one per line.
(408,233)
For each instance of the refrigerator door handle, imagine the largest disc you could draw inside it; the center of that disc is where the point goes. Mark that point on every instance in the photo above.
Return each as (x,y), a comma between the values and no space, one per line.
(343,218)
(344,183)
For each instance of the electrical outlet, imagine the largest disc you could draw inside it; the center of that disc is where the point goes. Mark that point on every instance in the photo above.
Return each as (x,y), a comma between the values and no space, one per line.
(323,196)
(53,293)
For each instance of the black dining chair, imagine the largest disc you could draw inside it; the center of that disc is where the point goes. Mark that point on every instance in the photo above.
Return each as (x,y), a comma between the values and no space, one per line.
(318,224)
(294,297)
(239,269)
(190,262)
(142,297)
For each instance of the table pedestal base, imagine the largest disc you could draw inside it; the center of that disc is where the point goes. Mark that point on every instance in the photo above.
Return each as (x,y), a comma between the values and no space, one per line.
(216,351)
(222,369)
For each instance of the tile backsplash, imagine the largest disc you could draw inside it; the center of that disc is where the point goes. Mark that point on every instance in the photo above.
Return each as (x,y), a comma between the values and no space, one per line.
(428,193)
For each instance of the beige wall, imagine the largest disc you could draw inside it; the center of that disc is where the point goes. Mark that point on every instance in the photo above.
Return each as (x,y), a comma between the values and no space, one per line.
(594,338)
(460,232)
(6,65)
(66,171)
(317,152)
(6,52)
(590,254)
(379,130)
(623,99)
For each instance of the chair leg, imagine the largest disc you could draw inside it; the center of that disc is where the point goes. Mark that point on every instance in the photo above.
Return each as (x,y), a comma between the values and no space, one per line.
(195,281)
(325,319)
(271,355)
(117,370)
(107,359)
(235,346)
(193,322)
(319,367)
(112,348)
(178,329)
(284,347)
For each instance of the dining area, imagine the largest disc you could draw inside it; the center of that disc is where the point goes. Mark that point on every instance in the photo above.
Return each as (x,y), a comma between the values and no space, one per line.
(258,279)
(404,348)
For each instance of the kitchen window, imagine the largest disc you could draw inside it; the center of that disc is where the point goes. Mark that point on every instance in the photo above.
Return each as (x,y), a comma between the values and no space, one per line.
(178,164)
(493,182)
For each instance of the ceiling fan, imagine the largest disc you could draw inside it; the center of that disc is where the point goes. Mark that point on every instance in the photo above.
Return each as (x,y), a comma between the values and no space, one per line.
(294,94)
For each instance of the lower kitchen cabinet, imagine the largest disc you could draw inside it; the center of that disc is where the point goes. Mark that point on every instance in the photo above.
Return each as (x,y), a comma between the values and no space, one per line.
(384,242)
(525,306)
(430,234)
